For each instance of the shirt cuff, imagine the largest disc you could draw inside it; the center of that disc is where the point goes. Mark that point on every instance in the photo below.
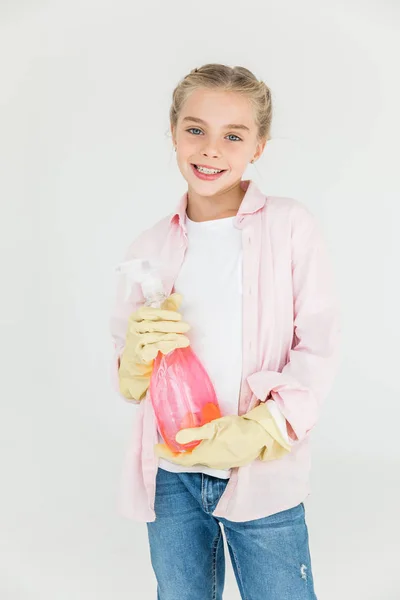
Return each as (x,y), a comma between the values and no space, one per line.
(279,419)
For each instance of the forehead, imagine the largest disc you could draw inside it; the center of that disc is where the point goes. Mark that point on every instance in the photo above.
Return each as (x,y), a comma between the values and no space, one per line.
(218,107)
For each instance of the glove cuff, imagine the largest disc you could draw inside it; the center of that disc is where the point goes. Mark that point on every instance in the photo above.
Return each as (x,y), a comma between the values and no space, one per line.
(134,379)
(262,415)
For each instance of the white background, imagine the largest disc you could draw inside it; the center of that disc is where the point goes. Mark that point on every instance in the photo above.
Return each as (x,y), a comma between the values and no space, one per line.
(86,163)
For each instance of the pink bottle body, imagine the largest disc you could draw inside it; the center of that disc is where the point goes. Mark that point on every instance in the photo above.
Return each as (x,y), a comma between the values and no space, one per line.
(182,394)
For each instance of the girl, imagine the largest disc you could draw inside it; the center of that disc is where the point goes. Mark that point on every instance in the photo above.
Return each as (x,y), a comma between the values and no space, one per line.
(252,277)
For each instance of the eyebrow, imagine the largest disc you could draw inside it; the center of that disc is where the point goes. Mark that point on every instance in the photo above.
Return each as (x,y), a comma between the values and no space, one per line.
(228,126)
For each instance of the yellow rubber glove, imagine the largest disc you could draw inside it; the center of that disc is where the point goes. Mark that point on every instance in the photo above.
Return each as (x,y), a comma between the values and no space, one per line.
(150,330)
(231,441)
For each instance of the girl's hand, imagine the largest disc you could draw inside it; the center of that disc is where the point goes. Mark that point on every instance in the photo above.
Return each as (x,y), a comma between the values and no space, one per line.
(150,330)
(231,441)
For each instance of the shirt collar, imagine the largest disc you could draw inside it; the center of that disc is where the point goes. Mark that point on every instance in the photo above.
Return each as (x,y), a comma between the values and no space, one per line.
(253,200)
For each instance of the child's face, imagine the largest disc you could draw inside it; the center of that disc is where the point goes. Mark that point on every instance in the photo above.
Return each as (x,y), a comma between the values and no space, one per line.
(211,142)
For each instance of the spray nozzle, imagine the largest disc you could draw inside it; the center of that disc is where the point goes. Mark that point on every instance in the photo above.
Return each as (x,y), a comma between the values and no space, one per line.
(146,273)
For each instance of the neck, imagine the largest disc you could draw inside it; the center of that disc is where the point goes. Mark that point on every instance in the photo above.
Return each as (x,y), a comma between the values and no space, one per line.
(221,205)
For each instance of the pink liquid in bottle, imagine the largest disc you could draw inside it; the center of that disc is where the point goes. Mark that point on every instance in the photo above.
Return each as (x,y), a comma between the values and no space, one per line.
(182,395)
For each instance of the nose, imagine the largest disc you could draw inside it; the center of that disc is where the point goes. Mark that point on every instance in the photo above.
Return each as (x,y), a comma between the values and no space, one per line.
(210,149)
(211,152)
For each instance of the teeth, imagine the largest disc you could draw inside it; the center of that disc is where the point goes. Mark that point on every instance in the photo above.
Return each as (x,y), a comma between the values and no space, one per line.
(208,171)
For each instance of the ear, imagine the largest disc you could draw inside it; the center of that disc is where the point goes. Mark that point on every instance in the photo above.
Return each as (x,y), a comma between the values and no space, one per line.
(260,149)
(172,135)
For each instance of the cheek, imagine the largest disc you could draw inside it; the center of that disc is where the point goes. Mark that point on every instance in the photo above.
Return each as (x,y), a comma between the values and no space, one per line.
(237,151)
(238,159)
(186,148)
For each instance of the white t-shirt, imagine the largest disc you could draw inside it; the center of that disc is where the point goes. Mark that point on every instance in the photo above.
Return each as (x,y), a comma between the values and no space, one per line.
(210,281)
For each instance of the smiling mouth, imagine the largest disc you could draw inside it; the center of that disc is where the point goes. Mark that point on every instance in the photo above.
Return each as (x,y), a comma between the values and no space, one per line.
(208,168)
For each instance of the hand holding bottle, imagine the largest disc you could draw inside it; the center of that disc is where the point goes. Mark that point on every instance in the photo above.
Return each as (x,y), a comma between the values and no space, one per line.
(158,358)
(230,441)
(150,331)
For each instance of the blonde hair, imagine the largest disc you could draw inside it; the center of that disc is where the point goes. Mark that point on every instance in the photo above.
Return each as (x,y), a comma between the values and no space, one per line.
(230,79)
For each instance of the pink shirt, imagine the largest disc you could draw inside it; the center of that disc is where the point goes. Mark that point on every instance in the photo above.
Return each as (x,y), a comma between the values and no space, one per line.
(291,337)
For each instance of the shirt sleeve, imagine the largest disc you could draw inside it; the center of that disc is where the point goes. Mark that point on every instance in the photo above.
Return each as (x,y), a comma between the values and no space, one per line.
(300,388)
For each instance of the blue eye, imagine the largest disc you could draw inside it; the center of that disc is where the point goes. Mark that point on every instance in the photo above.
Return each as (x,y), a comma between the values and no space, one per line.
(230,134)
(193,129)
(235,136)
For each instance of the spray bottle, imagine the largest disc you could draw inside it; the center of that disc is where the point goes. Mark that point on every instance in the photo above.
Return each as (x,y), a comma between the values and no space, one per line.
(180,389)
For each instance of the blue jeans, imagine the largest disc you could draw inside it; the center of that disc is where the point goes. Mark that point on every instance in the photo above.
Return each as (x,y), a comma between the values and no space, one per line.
(270,556)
